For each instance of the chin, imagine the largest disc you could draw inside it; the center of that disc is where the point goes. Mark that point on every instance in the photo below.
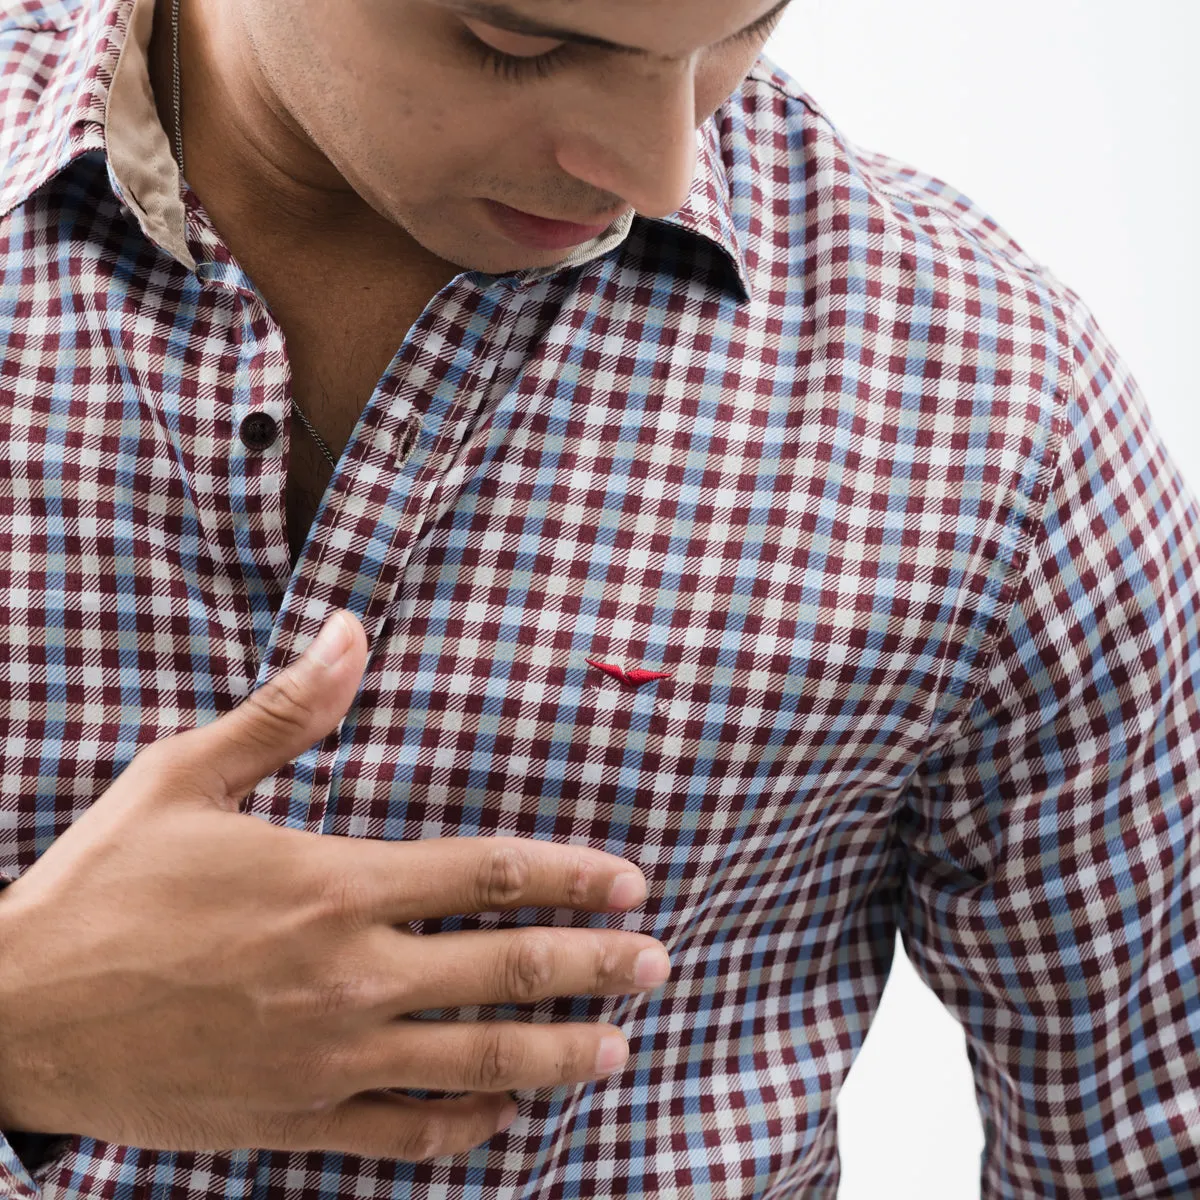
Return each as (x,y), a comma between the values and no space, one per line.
(457,232)
(482,250)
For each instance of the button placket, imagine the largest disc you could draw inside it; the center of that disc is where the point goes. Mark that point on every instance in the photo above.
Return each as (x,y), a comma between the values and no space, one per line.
(259,439)
(258,431)
(428,505)
(313,774)
(225,479)
(374,513)
(409,436)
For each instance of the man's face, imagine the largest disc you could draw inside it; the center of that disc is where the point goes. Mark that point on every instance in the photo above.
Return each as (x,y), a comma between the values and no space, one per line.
(430,109)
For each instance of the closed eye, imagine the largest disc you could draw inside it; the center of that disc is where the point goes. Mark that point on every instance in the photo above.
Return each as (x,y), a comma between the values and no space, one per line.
(517,67)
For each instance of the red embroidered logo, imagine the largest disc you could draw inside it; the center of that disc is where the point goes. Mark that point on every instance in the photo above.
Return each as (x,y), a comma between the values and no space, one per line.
(634,678)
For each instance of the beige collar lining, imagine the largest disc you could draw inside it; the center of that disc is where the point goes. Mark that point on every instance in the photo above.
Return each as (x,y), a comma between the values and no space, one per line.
(138,148)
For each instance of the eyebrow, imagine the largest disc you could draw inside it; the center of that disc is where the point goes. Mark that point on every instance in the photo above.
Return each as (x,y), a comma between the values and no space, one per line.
(503,17)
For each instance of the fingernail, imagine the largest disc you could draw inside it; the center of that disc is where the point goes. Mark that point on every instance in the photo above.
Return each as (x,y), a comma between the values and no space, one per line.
(651,968)
(612,1055)
(628,891)
(332,642)
(508,1114)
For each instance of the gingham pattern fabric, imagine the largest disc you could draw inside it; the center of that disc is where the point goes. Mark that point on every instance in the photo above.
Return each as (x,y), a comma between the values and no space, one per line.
(827,448)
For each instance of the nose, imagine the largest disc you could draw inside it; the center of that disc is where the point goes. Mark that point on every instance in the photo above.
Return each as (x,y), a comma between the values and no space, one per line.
(638,141)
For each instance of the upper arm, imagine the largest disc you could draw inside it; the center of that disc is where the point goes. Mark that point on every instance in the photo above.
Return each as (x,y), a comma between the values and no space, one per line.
(1053,846)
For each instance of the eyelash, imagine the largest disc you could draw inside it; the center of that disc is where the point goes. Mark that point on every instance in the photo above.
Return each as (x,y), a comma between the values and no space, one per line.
(516,68)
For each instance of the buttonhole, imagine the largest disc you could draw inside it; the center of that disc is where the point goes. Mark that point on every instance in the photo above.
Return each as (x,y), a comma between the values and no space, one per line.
(409,440)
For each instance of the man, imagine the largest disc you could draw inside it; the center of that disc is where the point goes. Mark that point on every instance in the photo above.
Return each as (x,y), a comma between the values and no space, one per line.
(698,512)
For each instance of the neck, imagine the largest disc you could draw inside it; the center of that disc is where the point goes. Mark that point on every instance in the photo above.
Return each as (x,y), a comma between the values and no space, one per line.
(257,173)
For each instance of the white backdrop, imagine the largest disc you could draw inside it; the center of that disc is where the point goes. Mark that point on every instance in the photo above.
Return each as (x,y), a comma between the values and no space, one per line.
(1074,124)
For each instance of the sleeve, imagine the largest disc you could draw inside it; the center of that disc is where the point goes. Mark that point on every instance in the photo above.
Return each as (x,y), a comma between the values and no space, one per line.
(22,1153)
(1052,893)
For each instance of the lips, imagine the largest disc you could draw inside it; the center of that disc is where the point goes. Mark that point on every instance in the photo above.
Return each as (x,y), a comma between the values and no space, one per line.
(538,233)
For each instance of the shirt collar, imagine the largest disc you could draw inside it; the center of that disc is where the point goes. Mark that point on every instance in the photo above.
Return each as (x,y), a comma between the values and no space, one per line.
(99,99)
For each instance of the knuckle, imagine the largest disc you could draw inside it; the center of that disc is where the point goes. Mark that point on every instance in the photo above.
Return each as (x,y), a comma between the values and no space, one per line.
(314,1068)
(293,1131)
(344,897)
(498,1060)
(530,967)
(503,878)
(282,704)
(315,1080)
(610,962)
(424,1137)
(578,882)
(576,1060)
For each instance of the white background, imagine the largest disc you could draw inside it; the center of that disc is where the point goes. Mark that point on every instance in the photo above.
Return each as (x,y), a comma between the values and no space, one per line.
(1073,124)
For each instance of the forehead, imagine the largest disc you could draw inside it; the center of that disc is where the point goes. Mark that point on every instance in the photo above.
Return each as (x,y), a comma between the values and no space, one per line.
(658,27)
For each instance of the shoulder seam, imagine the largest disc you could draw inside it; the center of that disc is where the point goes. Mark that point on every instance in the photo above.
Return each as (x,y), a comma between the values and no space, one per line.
(1032,271)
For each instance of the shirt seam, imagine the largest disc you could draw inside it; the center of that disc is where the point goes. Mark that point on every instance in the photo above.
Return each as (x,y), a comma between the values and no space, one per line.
(1015,577)
(1029,270)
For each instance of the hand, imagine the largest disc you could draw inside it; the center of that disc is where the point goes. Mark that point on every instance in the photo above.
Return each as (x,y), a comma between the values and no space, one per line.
(178,975)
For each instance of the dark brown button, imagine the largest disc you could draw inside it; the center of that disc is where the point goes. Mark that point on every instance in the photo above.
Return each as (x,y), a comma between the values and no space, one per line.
(259,430)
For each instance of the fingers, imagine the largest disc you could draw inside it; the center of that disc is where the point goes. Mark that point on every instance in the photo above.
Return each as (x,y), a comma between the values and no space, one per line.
(519,966)
(397,882)
(381,1125)
(283,718)
(492,1056)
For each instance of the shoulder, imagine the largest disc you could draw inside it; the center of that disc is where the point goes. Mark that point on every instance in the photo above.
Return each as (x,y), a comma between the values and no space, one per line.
(928,280)
(892,223)
(933,336)
(33,38)
(933,209)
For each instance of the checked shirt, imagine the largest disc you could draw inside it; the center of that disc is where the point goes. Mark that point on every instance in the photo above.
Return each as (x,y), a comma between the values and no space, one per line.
(859,487)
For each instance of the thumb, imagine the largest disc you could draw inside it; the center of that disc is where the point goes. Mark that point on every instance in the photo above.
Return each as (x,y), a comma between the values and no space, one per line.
(285,716)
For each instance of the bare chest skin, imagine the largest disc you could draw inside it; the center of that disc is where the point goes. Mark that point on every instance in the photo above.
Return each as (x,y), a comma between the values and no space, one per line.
(340,339)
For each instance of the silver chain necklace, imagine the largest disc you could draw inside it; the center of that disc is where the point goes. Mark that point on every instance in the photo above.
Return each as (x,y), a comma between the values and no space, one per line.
(178,149)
